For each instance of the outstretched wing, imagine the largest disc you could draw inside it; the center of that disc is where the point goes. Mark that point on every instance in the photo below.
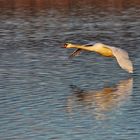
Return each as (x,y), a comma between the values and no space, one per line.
(122,58)
(75,53)
(90,44)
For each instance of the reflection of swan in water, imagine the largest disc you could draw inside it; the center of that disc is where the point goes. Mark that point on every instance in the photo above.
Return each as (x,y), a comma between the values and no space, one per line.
(99,102)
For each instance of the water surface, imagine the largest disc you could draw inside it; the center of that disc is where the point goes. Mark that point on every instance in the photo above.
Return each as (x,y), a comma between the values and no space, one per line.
(45,95)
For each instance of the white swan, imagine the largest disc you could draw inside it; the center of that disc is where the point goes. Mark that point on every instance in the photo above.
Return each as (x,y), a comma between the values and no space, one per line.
(105,50)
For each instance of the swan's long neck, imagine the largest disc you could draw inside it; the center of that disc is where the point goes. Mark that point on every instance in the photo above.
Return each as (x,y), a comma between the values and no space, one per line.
(83,47)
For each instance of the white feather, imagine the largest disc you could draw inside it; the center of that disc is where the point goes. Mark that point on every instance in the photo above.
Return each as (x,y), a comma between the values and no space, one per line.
(122,58)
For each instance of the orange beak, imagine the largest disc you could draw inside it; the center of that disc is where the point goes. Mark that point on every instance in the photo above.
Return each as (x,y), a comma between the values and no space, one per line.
(65,45)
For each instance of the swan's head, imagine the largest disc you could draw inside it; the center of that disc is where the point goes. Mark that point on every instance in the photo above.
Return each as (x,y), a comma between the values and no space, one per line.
(68,45)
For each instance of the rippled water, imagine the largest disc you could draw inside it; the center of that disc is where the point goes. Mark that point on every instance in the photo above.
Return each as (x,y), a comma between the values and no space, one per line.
(45,95)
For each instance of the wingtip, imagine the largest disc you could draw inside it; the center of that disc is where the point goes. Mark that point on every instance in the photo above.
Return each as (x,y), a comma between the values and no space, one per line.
(131,69)
(131,72)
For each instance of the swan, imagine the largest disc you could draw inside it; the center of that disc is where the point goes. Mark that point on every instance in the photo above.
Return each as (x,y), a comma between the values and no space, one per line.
(104,50)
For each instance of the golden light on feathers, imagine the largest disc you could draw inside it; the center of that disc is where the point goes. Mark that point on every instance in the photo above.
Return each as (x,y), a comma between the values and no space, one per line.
(105,50)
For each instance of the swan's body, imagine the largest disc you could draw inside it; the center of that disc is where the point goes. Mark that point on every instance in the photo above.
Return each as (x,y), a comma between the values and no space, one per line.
(107,51)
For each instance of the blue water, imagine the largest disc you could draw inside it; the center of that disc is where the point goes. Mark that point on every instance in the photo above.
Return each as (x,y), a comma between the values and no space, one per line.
(45,95)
